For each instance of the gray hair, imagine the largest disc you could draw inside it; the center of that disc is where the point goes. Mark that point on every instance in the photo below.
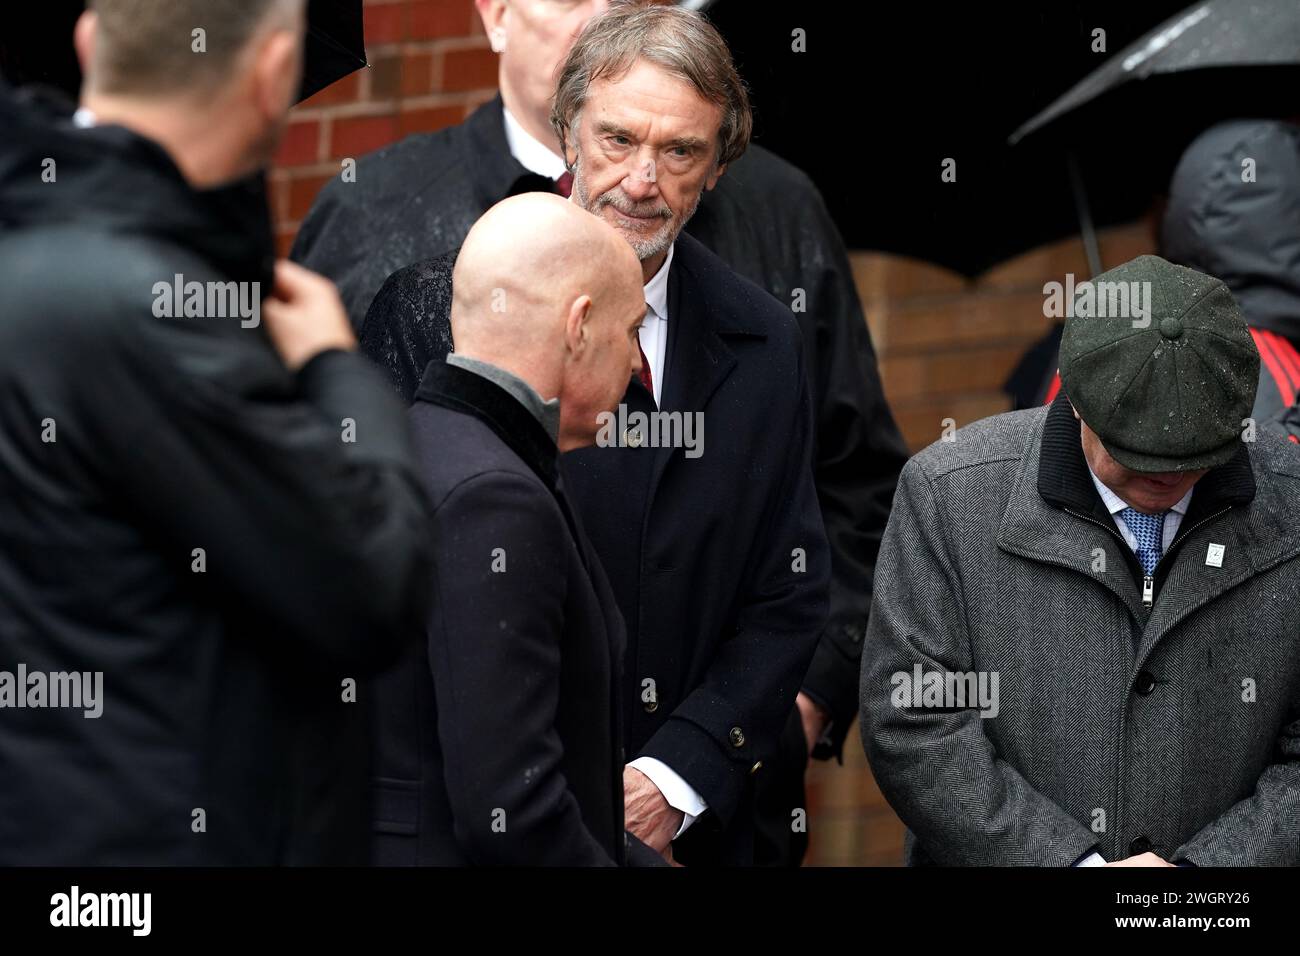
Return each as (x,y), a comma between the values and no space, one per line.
(681,42)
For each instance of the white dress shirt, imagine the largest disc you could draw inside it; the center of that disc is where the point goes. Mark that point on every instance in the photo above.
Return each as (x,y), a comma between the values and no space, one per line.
(1115,504)
(654,328)
(1173,519)
(534,155)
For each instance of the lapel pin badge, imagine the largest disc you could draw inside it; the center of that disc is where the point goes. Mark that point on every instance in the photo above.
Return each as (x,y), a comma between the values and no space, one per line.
(1214,556)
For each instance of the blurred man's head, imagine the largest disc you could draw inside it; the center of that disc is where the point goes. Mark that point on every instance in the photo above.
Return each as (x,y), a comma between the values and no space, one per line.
(212,81)
(649,110)
(549,293)
(533,37)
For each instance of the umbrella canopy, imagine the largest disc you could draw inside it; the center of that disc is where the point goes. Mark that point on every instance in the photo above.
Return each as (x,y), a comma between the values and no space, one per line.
(1262,34)
(335,44)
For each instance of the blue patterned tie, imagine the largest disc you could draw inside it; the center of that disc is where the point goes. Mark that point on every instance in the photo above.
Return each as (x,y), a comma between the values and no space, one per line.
(1149,530)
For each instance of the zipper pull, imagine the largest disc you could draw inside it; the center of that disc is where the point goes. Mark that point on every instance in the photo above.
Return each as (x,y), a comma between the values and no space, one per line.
(1148,590)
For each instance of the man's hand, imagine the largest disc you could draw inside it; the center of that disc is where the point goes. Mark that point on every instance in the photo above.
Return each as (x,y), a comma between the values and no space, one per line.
(646,814)
(814,720)
(1142,859)
(304,316)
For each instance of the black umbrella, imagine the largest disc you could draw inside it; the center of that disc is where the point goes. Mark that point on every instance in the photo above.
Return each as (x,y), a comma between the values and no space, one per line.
(335,44)
(40,49)
(1246,35)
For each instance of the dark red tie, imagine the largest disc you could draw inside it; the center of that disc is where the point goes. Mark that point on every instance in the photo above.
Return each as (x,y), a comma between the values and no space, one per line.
(564,184)
(646,379)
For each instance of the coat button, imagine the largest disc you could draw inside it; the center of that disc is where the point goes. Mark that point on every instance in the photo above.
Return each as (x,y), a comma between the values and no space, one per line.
(651,705)
(737,737)
(632,438)
(1140,845)
(1145,683)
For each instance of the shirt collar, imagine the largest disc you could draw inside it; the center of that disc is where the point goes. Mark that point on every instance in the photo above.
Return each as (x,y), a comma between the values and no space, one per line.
(1115,504)
(532,154)
(547,413)
(656,290)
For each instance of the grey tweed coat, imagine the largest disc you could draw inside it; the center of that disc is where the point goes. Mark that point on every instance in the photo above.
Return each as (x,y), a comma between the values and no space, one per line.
(1119,727)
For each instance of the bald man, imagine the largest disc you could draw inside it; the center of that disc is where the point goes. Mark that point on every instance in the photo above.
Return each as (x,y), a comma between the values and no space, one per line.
(499,737)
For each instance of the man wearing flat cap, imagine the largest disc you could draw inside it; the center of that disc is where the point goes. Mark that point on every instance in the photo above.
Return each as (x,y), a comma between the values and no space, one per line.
(1085,640)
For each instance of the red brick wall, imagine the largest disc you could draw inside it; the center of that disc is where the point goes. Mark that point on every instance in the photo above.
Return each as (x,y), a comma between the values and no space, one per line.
(430,66)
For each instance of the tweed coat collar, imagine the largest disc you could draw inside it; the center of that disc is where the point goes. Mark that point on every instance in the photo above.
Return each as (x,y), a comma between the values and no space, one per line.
(1063,478)
(1055,515)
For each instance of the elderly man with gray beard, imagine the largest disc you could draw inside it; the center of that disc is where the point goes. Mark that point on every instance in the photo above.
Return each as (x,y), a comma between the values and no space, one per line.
(719,563)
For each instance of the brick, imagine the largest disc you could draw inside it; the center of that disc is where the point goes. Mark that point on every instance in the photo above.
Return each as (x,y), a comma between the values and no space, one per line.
(1007,318)
(434,19)
(277,186)
(302,193)
(357,135)
(404,74)
(428,120)
(417,74)
(385,77)
(469,69)
(346,90)
(921,420)
(882,275)
(384,22)
(301,144)
(949,373)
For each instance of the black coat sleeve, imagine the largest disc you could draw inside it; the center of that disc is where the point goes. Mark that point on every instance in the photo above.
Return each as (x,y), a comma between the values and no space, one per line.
(291,497)
(494,651)
(859,454)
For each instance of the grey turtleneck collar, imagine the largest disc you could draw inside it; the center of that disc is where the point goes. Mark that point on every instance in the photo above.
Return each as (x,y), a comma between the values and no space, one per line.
(546,413)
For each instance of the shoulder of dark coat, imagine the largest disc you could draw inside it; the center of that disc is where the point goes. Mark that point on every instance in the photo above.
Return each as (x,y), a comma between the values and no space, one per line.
(453,447)
(763,170)
(399,170)
(763,184)
(735,304)
(1276,462)
(109,296)
(434,269)
(984,444)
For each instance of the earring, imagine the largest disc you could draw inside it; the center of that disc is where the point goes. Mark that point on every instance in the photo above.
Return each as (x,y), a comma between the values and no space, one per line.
(498,40)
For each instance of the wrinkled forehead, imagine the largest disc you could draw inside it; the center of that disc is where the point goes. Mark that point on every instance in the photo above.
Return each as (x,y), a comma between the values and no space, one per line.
(650,102)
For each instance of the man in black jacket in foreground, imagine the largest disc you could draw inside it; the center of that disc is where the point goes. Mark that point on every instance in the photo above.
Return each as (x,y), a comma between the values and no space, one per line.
(210,522)
(500,740)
